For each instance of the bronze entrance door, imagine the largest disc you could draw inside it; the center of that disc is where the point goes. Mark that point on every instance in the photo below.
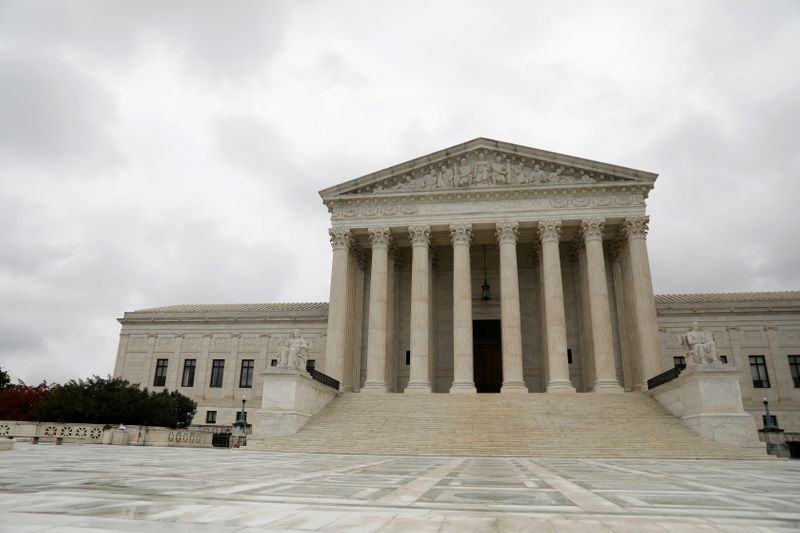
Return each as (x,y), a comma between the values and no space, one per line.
(487,355)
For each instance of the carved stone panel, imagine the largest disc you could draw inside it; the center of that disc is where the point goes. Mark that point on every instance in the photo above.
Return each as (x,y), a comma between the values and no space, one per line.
(483,169)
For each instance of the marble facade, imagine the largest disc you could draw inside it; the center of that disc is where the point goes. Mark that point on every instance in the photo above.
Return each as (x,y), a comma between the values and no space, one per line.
(561,243)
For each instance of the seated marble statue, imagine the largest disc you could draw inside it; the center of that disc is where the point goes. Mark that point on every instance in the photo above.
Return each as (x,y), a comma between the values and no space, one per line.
(699,345)
(294,352)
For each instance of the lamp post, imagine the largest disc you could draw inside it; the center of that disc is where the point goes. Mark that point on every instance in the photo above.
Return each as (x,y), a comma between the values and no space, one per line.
(241,427)
(768,425)
(243,414)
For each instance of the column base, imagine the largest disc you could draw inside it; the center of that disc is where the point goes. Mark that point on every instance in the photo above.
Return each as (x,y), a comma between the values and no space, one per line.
(463,387)
(513,387)
(607,386)
(561,386)
(418,388)
(373,387)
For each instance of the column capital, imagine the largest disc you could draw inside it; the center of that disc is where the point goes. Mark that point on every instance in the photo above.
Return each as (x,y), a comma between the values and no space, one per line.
(507,232)
(592,228)
(341,238)
(380,237)
(549,230)
(461,234)
(419,235)
(635,227)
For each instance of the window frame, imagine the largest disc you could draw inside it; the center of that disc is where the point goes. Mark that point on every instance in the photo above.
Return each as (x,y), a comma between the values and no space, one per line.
(211,417)
(192,368)
(794,369)
(247,383)
(757,364)
(217,373)
(160,376)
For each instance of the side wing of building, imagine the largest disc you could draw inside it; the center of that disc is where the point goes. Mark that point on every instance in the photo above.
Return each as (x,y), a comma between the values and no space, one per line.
(214,354)
(758,333)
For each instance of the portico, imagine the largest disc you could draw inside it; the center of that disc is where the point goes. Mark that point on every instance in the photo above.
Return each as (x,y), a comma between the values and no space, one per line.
(564,244)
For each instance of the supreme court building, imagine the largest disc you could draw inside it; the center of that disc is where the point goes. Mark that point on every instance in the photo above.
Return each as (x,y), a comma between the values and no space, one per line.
(487,267)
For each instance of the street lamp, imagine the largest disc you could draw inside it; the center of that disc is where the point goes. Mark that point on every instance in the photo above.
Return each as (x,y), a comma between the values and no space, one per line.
(243,414)
(241,428)
(768,425)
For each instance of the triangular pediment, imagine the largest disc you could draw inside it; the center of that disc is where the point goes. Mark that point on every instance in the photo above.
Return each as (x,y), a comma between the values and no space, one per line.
(486,164)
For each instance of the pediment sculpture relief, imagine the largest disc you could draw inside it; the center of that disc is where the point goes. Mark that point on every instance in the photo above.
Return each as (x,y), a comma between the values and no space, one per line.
(483,169)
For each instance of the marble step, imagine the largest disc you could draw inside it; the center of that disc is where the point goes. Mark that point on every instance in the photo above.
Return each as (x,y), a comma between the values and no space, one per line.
(571,425)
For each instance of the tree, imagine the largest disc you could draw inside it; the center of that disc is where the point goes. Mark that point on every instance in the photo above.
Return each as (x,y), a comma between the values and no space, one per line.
(115,401)
(17,401)
(5,380)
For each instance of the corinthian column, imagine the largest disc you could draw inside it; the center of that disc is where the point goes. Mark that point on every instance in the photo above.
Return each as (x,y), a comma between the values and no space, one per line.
(337,308)
(555,323)
(599,307)
(635,230)
(506,233)
(419,378)
(378,310)
(463,379)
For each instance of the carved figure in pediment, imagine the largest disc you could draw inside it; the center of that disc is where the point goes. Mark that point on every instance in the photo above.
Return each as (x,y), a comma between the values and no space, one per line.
(463,176)
(516,173)
(699,345)
(557,177)
(538,175)
(499,171)
(429,180)
(483,172)
(446,176)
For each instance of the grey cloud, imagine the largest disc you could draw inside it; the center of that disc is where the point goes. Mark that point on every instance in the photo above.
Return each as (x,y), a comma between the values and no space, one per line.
(51,113)
(227,41)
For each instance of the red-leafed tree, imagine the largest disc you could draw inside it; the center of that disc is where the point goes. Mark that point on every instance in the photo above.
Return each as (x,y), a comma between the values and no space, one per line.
(17,401)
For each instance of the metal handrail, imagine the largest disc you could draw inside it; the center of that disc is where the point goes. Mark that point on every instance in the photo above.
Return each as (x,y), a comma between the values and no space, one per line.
(323,378)
(665,377)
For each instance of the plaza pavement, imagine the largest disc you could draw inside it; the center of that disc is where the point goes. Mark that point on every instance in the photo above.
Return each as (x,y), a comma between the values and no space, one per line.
(111,488)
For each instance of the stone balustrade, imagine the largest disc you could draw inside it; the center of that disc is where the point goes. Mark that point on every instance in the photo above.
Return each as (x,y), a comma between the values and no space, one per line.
(60,432)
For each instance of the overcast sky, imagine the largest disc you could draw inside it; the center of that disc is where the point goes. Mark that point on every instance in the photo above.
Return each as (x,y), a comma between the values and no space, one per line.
(156,152)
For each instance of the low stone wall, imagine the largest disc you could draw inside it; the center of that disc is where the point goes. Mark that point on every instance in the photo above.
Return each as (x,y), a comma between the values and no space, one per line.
(54,431)
(60,432)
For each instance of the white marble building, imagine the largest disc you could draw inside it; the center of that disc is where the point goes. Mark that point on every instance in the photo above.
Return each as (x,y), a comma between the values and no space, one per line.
(485,267)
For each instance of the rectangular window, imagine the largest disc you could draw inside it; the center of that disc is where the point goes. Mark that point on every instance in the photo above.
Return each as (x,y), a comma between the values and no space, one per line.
(311,364)
(723,359)
(246,377)
(758,371)
(161,373)
(188,373)
(794,369)
(569,356)
(679,361)
(772,419)
(217,370)
(408,357)
(211,417)
(273,362)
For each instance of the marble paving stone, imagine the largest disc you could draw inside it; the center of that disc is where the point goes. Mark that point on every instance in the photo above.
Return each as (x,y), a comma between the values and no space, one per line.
(105,488)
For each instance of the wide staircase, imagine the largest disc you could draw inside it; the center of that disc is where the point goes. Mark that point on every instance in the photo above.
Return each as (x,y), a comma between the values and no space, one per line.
(543,425)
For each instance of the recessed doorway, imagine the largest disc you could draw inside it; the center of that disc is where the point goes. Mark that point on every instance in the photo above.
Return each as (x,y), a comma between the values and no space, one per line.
(487,355)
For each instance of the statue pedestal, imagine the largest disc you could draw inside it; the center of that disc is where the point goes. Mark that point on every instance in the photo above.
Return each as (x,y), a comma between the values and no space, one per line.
(290,398)
(707,397)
